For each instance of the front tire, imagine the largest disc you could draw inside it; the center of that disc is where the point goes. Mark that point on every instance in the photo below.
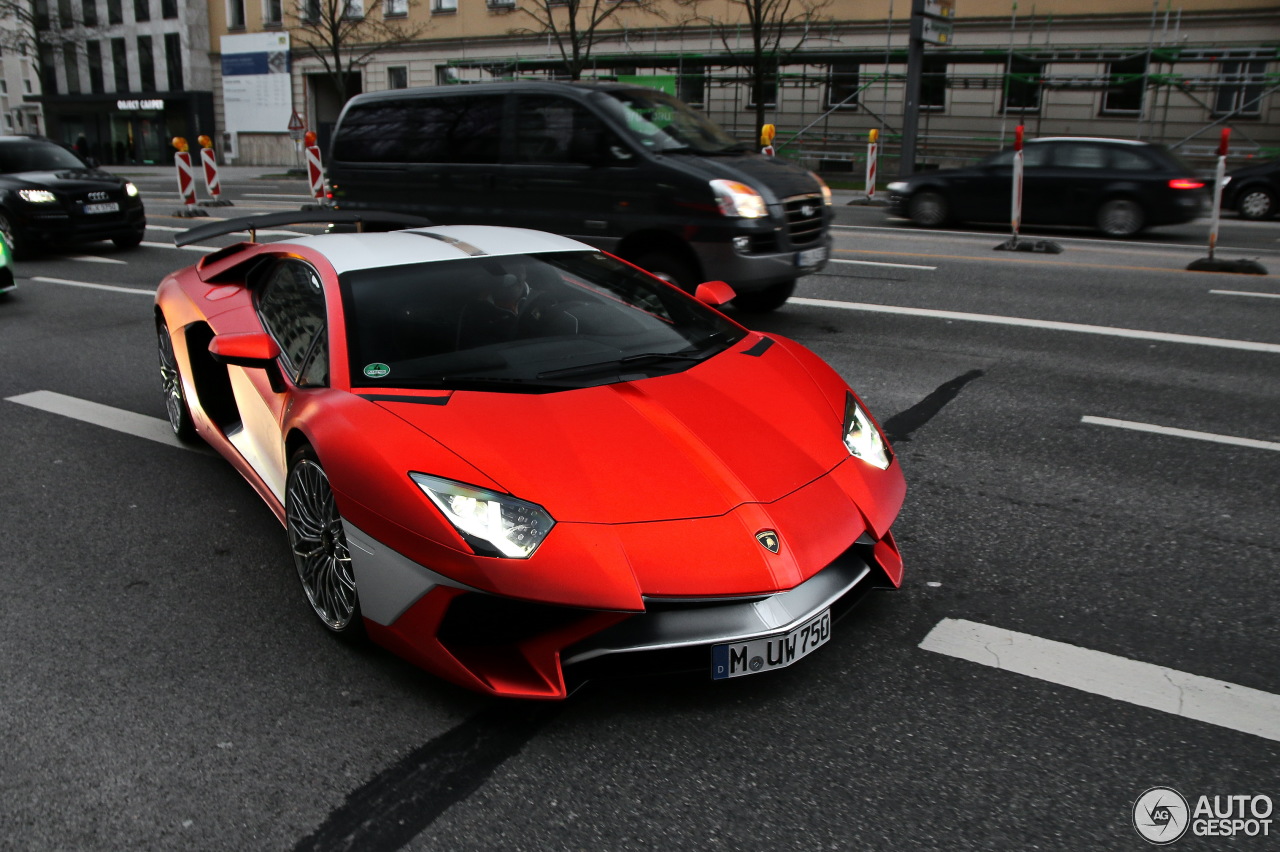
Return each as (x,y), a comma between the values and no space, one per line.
(1121,217)
(319,544)
(1257,203)
(762,301)
(928,209)
(175,400)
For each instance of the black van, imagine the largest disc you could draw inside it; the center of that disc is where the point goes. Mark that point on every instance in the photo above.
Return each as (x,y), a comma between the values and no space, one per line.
(625,168)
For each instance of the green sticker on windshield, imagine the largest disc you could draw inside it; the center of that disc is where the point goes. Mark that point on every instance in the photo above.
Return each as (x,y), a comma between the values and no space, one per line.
(376,371)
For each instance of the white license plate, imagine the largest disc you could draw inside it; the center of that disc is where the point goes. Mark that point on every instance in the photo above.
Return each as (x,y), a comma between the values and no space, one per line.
(770,652)
(109,207)
(811,257)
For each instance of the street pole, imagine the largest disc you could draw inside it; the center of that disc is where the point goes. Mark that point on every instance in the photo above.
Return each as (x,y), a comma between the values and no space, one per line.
(911,102)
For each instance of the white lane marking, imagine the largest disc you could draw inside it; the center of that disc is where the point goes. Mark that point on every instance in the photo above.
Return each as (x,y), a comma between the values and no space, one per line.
(262,232)
(1245,293)
(92,258)
(183,248)
(277,195)
(117,419)
(1181,433)
(877,263)
(1164,337)
(93,286)
(909,233)
(1204,699)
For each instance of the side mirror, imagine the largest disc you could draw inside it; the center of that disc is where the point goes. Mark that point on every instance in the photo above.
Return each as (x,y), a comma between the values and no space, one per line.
(248,349)
(714,293)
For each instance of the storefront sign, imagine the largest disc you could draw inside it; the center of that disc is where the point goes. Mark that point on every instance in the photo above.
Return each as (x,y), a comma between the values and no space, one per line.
(130,106)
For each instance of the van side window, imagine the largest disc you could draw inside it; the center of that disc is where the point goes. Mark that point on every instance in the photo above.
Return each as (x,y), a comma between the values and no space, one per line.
(557,130)
(462,129)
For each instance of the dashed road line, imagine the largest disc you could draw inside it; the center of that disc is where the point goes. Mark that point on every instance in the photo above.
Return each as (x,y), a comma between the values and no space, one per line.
(116,419)
(1227,705)
(93,286)
(1245,293)
(878,263)
(1181,433)
(1081,328)
(93,258)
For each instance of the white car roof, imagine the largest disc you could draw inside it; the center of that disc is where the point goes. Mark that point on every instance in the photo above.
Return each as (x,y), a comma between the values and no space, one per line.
(347,252)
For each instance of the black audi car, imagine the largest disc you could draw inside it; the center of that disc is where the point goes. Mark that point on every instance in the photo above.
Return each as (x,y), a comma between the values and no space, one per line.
(1254,190)
(49,196)
(1117,186)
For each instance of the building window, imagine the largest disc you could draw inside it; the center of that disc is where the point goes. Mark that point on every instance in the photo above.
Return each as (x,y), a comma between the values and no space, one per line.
(71,65)
(1241,89)
(353,10)
(395,8)
(235,14)
(89,9)
(397,77)
(310,11)
(40,14)
(272,12)
(64,14)
(94,51)
(146,65)
(768,94)
(115,12)
(173,59)
(4,87)
(1126,82)
(933,84)
(142,10)
(26,86)
(691,87)
(842,85)
(168,9)
(119,65)
(445,6)
(1022,85)
(48,71)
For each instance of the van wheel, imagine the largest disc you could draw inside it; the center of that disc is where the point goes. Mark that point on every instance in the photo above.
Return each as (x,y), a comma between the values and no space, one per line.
(928,209)
(762,301)
(1120,217)
(669,268)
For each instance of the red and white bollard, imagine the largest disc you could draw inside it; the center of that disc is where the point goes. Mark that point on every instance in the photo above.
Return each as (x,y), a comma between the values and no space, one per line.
(209,160)
(1245,266)
(186,179)
(1016,200)
(766,139)
(315,171)
(1219,179)
(872,152)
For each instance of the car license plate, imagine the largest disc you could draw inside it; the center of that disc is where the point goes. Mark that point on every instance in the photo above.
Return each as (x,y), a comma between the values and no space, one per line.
(811,257)
(109,207)
(770,652)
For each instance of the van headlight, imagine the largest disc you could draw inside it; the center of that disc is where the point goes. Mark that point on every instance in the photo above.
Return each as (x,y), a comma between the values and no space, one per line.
(739,200)
(861,437)
(492,524)
(130,190)
(37,196)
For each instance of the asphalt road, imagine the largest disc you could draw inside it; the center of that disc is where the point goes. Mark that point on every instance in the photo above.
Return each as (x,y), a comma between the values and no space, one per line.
(1088,611)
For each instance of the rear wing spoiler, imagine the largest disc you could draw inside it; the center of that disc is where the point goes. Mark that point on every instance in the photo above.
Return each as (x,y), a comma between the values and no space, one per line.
(295,217)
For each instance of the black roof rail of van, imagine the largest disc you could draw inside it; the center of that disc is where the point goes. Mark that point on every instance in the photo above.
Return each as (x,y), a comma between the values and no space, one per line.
(296,217)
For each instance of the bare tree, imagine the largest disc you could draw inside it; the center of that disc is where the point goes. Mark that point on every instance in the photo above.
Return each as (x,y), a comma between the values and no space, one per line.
(343,34)
(577,25)
(774,30)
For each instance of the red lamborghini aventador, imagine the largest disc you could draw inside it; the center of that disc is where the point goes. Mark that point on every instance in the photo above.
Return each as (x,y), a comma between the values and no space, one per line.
(520,462)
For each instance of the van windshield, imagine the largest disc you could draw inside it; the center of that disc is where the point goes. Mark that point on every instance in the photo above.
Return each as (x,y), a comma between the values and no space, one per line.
(663,124)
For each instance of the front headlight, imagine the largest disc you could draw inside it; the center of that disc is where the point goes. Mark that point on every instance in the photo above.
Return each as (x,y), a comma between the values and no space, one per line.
(738,199)
(826,190)
(897,186)
(37,196)
(492,524)
(130,190)
(862,438)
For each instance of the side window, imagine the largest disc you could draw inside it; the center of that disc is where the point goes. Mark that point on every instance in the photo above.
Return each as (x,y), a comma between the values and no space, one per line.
(1081,156)
(1035,155)
(291,305)
(557,130)
(458,129)
(1130,161)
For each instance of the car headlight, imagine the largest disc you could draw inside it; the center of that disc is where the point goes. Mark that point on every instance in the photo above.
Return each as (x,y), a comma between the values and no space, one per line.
(492,524)
(738,199)
(862,438)
(130,190)
(897,186)
(826,190)
(37,196)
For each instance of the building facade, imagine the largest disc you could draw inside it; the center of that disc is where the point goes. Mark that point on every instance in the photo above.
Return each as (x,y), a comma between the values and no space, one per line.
(121,78)
(1173,72)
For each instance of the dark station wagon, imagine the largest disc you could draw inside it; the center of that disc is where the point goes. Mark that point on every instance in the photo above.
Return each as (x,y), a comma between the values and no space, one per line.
(1117,186)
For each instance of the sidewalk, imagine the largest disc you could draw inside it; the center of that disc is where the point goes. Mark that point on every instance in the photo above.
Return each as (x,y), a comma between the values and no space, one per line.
(224,172)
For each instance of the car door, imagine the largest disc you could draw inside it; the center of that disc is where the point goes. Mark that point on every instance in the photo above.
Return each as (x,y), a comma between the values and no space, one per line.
(1072,185)
(290,304)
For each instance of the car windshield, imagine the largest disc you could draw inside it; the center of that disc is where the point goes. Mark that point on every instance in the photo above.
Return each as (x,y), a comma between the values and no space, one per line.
(34,156)
(533,323)
(662,123)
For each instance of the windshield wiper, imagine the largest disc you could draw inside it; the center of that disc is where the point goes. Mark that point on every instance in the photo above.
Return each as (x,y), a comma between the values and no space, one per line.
(648,358)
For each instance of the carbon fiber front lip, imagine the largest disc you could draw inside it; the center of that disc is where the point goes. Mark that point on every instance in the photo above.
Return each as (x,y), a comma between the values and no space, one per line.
(710,625)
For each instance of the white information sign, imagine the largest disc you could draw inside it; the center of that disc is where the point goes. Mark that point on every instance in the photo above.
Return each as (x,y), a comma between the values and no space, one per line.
(257,89)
